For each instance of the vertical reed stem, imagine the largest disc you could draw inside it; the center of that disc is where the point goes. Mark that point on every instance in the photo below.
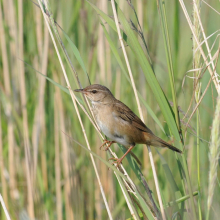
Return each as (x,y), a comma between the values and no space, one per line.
(4,208)
(139,107)
(197,86)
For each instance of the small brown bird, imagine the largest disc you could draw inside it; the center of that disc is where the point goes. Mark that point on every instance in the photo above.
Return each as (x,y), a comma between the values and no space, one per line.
(118,122)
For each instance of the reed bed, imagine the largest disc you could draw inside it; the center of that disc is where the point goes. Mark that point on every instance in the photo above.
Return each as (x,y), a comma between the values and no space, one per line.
(161,58)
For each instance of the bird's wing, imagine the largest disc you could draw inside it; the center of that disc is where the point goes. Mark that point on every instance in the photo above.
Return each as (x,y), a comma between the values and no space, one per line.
(126,114)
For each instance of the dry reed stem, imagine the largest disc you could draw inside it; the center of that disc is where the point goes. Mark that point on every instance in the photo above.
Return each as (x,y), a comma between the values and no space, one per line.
(204,37)
(76,108)
(111,189)
(213,74)
(197,87)
(57,160)
(4,208)
(126,59)
(118,84)
(35,140)
(127,201)
(202,42)
(196,54)
(108,62)
(39,117)
(30,205)
(10,128)
(139,108)
(10,15)
(39,34)
(66,152)
(97,203)
(42,126)
(107,49)
(142,77)
(211,7)
(6,72)
(4,56)
(100,49)
(44,170)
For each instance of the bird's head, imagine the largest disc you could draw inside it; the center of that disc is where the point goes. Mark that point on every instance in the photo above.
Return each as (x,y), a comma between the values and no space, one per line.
(97,93)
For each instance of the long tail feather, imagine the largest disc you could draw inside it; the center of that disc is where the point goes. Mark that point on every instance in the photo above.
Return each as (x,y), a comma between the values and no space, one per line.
(157,142)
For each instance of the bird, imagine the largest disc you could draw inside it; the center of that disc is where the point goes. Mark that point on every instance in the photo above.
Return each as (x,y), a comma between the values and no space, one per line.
(118,122)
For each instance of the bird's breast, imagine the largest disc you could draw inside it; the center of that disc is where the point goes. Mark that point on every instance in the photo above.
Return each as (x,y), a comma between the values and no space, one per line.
(109,124)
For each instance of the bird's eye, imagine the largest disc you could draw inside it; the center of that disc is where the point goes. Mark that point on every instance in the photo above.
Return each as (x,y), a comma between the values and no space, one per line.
(94,91)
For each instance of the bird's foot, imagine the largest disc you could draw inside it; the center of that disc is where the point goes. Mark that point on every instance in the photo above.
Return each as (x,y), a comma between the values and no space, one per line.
(107,142)
(116,161)
(110,143)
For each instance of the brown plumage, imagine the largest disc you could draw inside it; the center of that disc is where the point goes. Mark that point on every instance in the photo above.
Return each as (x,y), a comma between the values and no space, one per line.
(118,122)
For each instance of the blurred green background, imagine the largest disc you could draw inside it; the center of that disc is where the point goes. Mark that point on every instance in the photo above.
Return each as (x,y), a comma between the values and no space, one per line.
(53,177)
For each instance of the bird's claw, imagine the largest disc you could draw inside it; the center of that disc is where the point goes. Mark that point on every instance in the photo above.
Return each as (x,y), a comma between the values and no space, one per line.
(107,142)
(116,161)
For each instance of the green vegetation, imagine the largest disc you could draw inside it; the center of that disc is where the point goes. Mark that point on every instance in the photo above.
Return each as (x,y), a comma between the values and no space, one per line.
(51,166)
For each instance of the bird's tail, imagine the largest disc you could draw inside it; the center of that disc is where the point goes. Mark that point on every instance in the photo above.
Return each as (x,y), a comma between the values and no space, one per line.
(157,142)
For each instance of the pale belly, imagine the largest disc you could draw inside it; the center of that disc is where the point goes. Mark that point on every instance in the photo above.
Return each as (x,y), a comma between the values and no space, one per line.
(113,134)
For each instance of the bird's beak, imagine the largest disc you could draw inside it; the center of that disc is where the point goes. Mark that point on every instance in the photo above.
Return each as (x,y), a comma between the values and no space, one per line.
(79,90)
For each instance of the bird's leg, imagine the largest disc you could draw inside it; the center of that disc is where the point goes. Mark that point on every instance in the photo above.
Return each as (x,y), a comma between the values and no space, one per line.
(110,143)
(118,161)
(106,142)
